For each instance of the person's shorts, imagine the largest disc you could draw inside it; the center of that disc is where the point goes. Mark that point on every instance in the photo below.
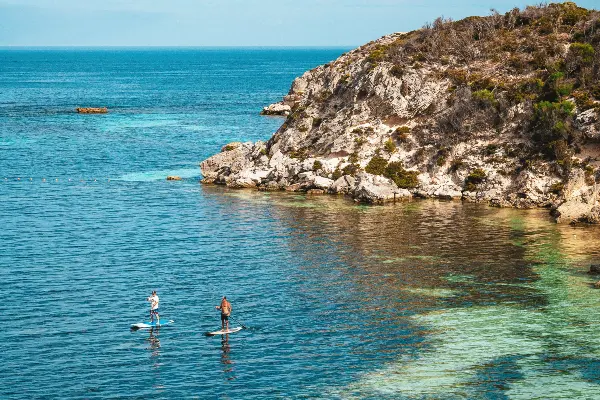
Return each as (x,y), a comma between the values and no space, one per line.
(154,311)
(224,317)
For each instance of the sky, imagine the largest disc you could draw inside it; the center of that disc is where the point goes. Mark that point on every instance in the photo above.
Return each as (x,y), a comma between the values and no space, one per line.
(337,23)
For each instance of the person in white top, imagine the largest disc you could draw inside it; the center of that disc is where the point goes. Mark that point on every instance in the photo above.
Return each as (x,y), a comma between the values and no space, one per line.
(154,307)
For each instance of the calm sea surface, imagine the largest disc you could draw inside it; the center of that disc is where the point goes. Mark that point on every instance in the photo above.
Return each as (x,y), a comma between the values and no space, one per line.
(421,300)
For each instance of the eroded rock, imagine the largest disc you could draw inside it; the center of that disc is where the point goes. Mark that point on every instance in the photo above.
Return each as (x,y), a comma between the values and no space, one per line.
(277,109)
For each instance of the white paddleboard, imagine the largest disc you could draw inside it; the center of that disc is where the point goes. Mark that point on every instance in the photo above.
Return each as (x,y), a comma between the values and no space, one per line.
(148,325)
(224,332)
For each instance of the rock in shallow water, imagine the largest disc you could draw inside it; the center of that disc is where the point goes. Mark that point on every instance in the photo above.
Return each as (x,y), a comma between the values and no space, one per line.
(276,109)
(594,269)
(377,189)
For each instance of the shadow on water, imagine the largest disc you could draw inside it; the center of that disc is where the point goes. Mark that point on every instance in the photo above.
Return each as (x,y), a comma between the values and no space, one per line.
(154,342)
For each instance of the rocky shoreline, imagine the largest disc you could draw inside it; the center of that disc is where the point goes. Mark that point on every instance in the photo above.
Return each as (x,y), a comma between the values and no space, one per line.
(389,121)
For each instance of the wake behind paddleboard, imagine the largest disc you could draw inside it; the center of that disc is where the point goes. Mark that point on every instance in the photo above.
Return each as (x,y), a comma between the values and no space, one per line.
(148,325)
(224,332)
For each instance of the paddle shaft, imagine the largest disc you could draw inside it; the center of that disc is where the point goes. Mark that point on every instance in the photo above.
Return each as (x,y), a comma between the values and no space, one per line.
(238,322)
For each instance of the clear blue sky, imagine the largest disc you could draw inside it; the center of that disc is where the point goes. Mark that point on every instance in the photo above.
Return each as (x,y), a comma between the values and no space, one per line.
(225,22)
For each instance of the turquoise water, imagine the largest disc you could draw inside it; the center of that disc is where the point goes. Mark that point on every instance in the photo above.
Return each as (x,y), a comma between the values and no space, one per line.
(423,300)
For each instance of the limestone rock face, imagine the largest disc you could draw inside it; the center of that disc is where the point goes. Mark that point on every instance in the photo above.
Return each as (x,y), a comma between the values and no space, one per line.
(377,189)
(343,185)
(236,166)
(589,122)
(424,124)
(582,202)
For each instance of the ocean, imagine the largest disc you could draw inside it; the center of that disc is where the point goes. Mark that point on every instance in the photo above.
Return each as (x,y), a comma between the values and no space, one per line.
(417,300)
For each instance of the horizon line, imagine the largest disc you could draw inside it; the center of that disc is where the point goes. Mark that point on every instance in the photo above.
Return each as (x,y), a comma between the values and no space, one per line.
(10,47)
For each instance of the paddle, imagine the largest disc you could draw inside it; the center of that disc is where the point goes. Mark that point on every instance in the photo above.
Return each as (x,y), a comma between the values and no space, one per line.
(238,322)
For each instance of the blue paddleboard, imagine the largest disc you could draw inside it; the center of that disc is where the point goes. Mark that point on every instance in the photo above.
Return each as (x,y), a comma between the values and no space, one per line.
(148,325)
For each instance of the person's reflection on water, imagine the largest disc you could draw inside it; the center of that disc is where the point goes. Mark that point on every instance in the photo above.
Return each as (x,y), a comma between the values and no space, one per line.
(154,342)
(225,360)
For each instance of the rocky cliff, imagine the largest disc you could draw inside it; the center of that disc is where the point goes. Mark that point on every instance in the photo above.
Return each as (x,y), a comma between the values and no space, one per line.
(503,109)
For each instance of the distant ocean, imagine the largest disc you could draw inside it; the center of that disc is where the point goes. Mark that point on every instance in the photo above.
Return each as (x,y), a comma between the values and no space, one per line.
(418,300)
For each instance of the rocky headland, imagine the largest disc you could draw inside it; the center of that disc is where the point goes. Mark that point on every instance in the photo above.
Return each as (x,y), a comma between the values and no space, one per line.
(503,109)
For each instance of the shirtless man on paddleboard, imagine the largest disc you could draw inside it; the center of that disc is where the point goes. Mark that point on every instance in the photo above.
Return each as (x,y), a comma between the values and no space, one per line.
(225,308)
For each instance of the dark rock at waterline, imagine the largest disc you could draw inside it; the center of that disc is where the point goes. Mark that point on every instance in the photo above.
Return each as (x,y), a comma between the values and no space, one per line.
(92,110)
(594,269)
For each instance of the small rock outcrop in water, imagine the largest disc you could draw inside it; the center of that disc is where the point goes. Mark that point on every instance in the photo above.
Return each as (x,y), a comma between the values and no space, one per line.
(502,109)
(92,110)
(277,109)
(594,269)
(173,178)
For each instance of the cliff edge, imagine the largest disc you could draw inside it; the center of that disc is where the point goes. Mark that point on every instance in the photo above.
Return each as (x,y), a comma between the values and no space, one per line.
(503,109)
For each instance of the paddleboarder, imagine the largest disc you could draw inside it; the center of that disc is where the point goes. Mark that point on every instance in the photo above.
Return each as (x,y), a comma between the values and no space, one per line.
(225,308)
(154,307)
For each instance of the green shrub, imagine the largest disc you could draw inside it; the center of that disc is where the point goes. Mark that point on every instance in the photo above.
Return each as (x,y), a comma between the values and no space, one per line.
(402,178)
(316,122)
(377,55)
(456,164)
(580,55)
(353,158)
(571,13)
(363,130)
(583,51)
(565,108)
(401,134)
(484,97)
(595,91)
(301,154)
(390,146)
(557,187)
(475,178)
(552,122)
(376,165)
(359,141)
(317,165)
(351,169)
(337,174)
(555,87)
(397,71)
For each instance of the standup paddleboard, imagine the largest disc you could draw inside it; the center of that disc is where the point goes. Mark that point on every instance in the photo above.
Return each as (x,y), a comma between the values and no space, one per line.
(148,325)
(224,332)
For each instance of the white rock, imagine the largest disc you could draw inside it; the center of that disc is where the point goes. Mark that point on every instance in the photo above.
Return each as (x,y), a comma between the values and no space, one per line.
(322,183)
(277,109)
